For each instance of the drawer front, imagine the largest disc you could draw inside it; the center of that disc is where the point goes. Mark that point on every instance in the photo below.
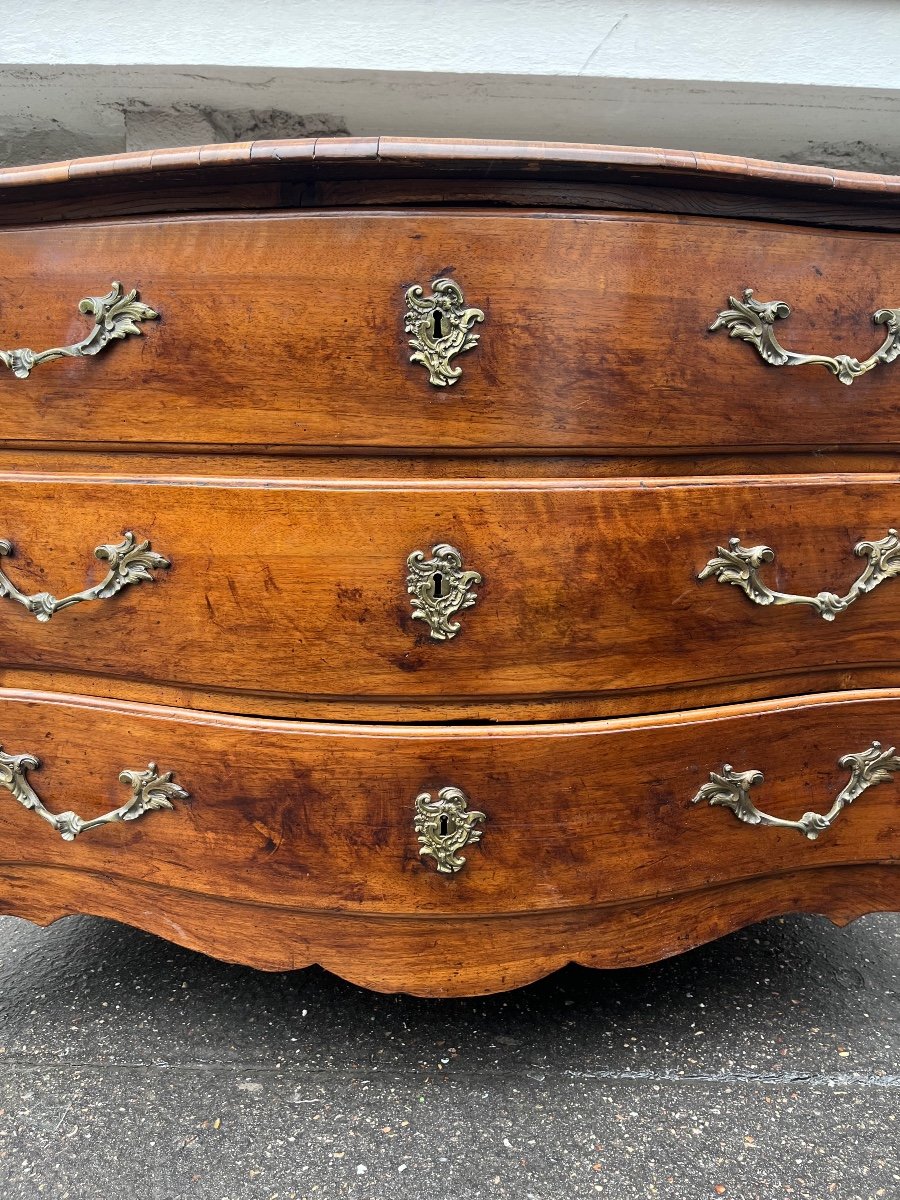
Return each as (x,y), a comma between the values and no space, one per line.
(585,590)
(323,818)
(291,331)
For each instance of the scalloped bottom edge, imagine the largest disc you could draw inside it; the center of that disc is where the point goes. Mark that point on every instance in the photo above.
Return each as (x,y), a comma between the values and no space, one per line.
(450,957)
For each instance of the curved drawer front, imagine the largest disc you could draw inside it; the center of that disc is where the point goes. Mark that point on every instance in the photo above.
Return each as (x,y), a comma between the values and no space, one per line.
(323,818)
(569,591)
(583,332)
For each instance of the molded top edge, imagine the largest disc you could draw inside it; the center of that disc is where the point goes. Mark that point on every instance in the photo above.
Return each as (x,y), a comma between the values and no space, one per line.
(374,157)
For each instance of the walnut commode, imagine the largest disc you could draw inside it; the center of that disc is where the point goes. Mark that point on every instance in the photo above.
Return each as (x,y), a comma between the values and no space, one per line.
(442,469)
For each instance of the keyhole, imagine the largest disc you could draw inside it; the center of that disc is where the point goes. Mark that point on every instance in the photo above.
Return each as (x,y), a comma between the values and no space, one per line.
(438,585)
(445,826)
(436,318)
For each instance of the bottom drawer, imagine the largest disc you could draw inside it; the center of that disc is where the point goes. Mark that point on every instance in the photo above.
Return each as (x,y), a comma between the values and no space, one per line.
(452,860)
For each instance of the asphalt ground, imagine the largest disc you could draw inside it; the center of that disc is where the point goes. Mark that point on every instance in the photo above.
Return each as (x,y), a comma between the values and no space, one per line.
(765,1065)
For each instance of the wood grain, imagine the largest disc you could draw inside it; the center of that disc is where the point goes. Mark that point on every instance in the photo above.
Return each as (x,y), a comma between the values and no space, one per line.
(305,831)
(590,588)
(559,195)
(473,709)
(288,331)
(240,464)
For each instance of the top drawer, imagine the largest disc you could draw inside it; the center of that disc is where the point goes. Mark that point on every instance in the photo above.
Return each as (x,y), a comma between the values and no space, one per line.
(289,331)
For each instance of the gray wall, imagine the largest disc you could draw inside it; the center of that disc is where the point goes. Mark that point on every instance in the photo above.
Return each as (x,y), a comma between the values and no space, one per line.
(806,80)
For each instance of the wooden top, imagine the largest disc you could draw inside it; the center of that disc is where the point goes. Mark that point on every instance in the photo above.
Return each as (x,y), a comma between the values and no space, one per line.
(475,157)
(200,169)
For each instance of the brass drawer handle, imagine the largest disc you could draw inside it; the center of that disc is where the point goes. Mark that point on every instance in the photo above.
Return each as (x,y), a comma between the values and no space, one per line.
(441,328)
(753,321)
(739,566)
(439,588)
(115,316)
(129,562)
(445,826)
(149,791)
(731,790)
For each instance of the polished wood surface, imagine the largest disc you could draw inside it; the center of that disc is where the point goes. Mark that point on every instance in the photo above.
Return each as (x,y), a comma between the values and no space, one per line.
(590,589)
(300,820)
(288,331)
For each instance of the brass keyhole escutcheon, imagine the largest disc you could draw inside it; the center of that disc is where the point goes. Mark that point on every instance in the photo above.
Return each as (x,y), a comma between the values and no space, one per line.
(445,825)
(439,328)
(439,589)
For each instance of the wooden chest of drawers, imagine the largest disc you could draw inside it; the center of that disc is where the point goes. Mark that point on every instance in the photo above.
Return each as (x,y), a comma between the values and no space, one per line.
(402,568)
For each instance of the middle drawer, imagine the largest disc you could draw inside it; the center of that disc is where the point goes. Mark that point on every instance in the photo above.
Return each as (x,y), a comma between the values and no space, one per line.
(587,591)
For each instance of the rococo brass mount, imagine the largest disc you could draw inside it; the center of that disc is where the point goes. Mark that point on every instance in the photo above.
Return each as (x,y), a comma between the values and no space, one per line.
(731,790)
(739,565)
(439,588)
(129,562)
(441,328)
(445,826)
(753,321)
(115,316)
(149,791)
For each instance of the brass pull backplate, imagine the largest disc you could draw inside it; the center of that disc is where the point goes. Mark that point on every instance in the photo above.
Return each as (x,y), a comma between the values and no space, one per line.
(116,315)
(149,791)
(753,321)
(731,789)
(739,565)
(129,561)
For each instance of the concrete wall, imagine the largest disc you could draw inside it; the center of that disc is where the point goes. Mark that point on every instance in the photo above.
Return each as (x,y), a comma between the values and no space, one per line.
(808,80)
